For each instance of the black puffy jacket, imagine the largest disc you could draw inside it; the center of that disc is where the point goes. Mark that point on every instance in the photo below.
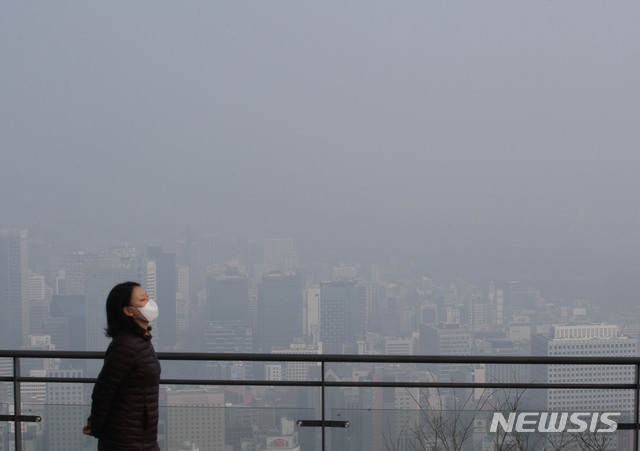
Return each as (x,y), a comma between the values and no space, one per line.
(124,411)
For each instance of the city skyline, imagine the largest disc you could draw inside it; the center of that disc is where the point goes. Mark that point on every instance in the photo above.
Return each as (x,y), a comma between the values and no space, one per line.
(286,299)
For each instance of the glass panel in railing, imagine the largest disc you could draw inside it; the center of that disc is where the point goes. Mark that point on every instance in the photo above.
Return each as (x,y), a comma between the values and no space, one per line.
(60,427)
(206,427)
(420,429)
(183,428)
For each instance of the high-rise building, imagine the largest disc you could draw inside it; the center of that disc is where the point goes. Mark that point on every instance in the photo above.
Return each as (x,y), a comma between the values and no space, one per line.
(14,308)
(65,412)
(312,313)
(197,416)
(150,278)
(596,340)
(280,310)
(228,297)
(228,336)
(482,316)
(189,255)
(38,314)
(281,253)
(74,275)
(67,317)
(445,339)
(164,283)
(183,282)
(36,289)
(342,316)
(183,299)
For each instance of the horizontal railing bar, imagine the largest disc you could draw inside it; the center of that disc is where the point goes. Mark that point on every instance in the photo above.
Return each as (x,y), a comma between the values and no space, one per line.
(218,382)
(24,418)
(318,383)
(529,385)
(341,358)
(325,423)
(34,379)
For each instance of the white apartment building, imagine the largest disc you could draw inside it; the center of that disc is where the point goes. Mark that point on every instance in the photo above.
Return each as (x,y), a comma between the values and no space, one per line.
(298,371)
(398,347)
(596,340)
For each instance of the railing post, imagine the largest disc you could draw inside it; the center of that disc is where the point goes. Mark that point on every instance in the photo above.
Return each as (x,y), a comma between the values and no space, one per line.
(322,386)
(636,406)
(17,410)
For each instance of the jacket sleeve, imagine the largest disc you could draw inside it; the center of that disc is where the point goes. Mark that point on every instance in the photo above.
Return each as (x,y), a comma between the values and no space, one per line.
(118,364)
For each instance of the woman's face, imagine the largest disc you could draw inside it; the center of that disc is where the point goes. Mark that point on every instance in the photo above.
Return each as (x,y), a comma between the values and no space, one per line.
(139,297)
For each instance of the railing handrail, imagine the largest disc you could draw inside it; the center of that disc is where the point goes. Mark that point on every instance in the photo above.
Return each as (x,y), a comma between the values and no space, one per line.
(342,358)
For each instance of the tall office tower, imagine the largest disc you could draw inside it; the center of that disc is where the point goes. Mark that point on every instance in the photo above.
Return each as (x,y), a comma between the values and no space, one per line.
(38,314)
(183,299)
(228,336)
(520,297)
(228,297)
(217,250)
(102,273)
(197,416)
(342,316)
(38,304)
(74,274)
(68,314)
(189,255)
(371,305)
(597,340)
(280,308)
(280,252)
(36,289)
(254,252)
(482,316)
(312,313)
(163,279)
(183,282)
(14,308)
(150,278)
(65,412)
(444,339)
(499,307)
(429,313)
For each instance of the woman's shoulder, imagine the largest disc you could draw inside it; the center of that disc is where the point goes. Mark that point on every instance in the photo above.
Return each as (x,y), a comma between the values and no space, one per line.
(127,339)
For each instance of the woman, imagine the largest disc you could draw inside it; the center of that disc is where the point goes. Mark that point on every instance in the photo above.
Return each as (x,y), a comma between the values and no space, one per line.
(124,411)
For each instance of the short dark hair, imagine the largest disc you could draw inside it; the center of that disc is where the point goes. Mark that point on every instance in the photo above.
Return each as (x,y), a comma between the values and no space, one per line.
(119,297)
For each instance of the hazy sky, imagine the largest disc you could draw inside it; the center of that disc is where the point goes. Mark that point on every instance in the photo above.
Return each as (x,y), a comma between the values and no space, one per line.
(476,136)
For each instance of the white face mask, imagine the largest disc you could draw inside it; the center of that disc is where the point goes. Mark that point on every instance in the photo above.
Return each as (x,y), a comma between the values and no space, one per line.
(149,312)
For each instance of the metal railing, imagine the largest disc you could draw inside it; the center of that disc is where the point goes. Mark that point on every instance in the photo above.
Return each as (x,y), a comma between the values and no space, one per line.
(17,379)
